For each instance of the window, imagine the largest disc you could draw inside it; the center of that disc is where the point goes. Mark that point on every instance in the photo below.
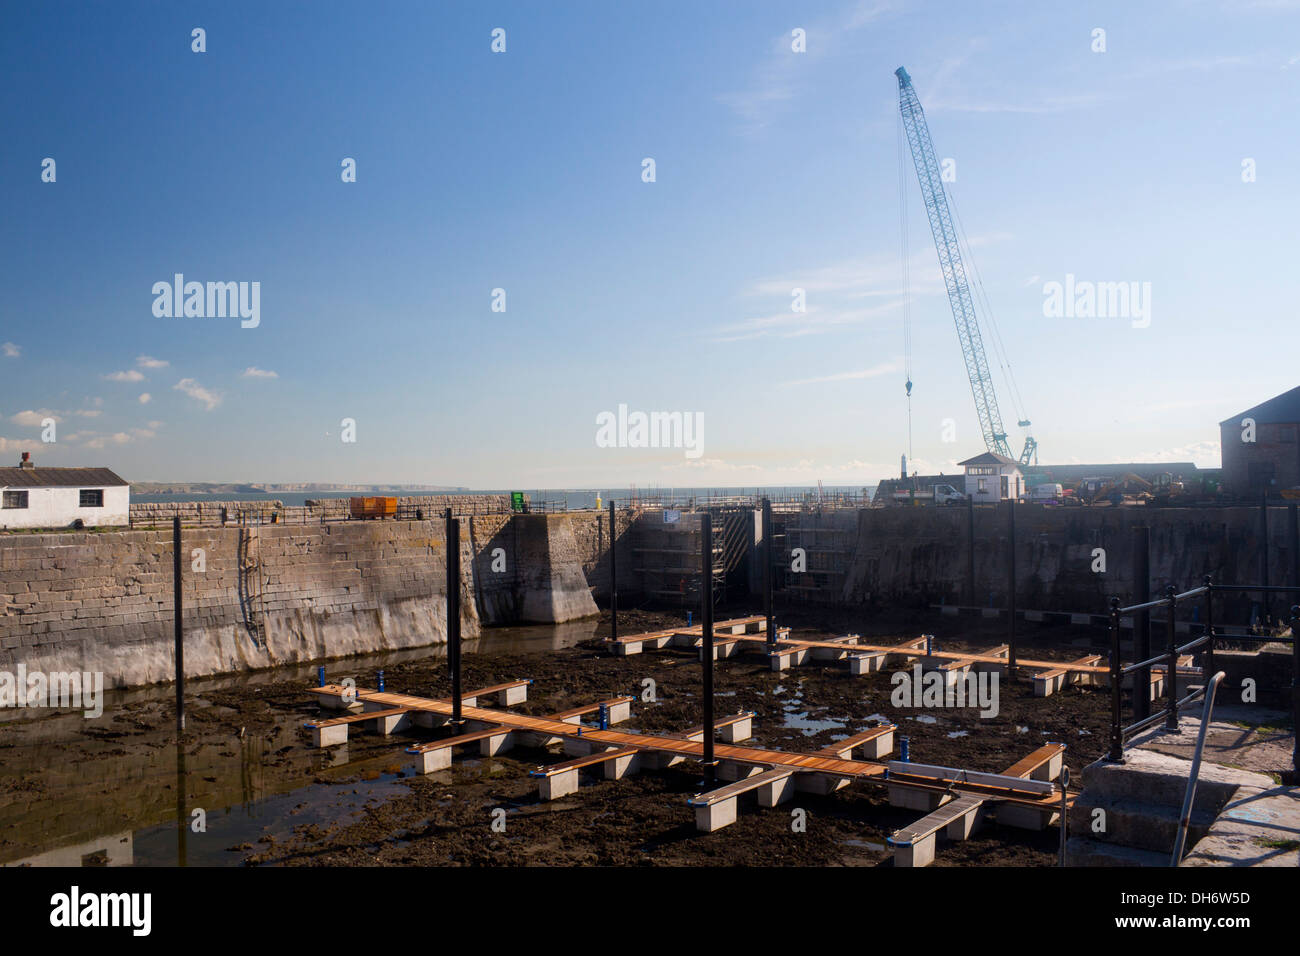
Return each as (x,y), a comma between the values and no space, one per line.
(15,499)
(93,498)
(984,485)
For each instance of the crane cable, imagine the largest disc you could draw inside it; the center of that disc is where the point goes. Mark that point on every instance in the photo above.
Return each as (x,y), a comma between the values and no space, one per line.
(907,280)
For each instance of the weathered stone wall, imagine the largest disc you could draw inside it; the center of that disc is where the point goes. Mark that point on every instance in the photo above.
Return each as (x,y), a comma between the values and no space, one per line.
(259,596)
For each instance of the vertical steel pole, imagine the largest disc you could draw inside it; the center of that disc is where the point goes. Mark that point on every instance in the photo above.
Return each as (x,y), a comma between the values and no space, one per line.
(766,558)
(1116,754)
(706,623)
(1293,535)
(1171,666)
(613,571)
(177,613)
(1142,619)
(970,549)
(1266,600)
(1208,661)
(1011,589)
(1295,690)
(453,613)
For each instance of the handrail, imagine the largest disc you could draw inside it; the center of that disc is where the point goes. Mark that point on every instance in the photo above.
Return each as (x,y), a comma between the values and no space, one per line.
(1173,703)
(1185,817)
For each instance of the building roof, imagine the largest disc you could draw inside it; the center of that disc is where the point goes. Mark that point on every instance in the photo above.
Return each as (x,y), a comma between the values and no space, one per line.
(58,478)
(1282,409)
(989,458)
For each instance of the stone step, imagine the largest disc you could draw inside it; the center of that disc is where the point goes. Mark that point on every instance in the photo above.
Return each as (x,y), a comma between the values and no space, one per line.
(1161,780)
(1081,851)
(1135,823)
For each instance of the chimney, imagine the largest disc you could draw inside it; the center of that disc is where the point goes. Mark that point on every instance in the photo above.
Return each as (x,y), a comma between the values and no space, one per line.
(27,461)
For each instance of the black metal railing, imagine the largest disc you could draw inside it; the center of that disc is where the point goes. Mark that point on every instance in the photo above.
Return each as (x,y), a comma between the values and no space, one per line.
(1139,671)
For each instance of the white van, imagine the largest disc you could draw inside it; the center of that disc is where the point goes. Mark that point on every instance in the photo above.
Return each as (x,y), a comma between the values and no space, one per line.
(1050,492)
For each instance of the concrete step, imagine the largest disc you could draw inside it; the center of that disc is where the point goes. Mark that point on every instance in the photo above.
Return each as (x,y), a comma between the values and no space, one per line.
(1161,780)
(1081,851)
(1135,823)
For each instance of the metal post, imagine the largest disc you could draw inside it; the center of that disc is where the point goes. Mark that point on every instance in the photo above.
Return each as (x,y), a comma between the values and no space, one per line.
(177,613)
(970,549)
(1142,619)
(1295,690)
(1116,754)
(1185,816)
(1065,810)
(1263,557)
(1293,535)
(1171,667)
(613,571)
(706,624)
(766,558)
(453,613)
(1207,664)
(1011,589)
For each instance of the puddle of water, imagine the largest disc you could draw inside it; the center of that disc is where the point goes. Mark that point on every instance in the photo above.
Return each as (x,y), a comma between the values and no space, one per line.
(865,845)
(924,719)
(809,727)
(958,733)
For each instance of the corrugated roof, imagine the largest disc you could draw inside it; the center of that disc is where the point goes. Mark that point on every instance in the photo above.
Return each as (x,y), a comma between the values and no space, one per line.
(989,458)
(1282,409)
(58,478)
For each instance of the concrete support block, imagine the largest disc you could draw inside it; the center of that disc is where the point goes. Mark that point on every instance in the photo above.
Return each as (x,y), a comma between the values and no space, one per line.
(866,663)
(1025,818)
(730,770)
(513,695)
(390,724)
(1051,770)
(737,731)
(776,792)
(558,785)
(819,783)
(628,648)
(329,736)
(620,712)
(877,747)
(429,761)
(1036,616)
(715,816)
(496,744)
(963,826)
(424,718)
(913,799)
(1045,685)
(920,853)
(577,746)
(624,766)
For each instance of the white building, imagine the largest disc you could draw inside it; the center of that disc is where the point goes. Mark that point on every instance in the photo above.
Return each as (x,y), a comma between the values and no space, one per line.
(993,477)
(62,497)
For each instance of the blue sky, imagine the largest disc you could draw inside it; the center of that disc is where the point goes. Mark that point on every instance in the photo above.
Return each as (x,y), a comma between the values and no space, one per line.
(522,170)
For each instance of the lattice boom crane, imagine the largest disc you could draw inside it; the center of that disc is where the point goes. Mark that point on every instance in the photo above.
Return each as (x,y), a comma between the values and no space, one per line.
(954,274)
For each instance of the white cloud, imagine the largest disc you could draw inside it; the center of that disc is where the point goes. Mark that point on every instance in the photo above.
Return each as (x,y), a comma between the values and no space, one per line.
(130,376)
(18,444)
(88,412)
(11,350)
(254,372)
(146,361)
(782,75)
(194,390)
(146,398)
(873,372)
(33,419)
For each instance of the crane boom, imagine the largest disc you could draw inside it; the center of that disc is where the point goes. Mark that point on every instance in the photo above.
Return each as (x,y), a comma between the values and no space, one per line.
(954,273)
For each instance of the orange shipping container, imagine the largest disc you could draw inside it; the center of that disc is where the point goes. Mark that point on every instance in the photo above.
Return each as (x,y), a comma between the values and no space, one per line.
(373,507)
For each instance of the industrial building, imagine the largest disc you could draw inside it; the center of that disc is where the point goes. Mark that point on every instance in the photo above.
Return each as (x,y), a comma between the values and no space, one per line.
(1261,452)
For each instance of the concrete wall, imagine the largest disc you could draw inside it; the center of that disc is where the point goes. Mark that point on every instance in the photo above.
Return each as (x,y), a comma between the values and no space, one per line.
(259,596)
(921,555)
(60,507)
